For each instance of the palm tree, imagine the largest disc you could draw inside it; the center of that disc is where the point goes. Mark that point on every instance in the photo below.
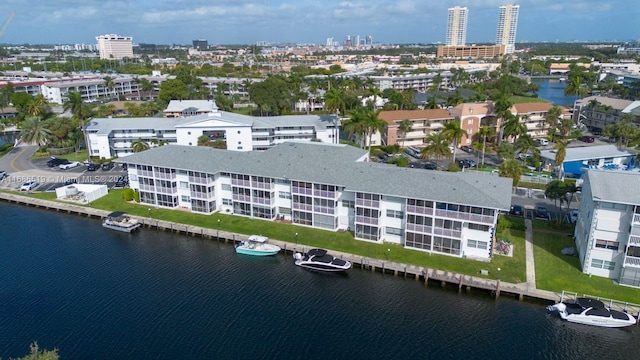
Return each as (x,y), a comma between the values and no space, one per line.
(503,109)
(108,83)
(405,127)
(432,103)
(437,147)
(454,132)
(139,145)
(513,127)
(552,118)
(203,140)
(74,103)
(574,87)
(526,145)
(34,131)
(375,92)
(356,125)
(374,124)
(334,100)
(484,132)
(511,168)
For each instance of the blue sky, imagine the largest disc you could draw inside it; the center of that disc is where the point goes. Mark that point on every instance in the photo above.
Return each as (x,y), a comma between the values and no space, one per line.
(311,21)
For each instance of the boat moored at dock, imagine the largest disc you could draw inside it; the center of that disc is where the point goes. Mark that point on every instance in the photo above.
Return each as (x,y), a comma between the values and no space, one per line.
(592,312)
(319,260)
(120,221)
(258,246)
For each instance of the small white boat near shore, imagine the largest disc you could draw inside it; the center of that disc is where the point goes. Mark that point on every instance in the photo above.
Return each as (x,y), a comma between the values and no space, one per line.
(592,312)
(258,246)
(120,221)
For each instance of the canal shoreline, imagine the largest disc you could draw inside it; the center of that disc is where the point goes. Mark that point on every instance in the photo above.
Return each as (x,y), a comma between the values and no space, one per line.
(428,276)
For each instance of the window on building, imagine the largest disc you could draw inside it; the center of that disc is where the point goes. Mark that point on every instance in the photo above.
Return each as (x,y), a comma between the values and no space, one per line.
(227,202)
(607,244)
(603,264)
(484,228)
(226,187)
(284,195)
(395,214)
(393,231)
(477,244)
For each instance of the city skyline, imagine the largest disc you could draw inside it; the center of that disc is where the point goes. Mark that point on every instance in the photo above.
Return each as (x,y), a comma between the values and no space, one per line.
(249,21)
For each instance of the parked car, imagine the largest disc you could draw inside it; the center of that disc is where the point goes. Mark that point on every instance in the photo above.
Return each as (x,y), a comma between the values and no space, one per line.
(542,142)
(467,163)
(53,162)
(467,149)
(107,166)
(430,166)
(92,167)
(3,174)
(452,148)
(516,210)
(587,139)
(522,156)
(573,216)
(542,213)
(28,186)
(69,165)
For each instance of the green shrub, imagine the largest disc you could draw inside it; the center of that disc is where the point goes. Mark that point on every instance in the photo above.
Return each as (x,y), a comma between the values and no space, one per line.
(136,196)
(128,194)
(510,222)
(453,167)
(400,161)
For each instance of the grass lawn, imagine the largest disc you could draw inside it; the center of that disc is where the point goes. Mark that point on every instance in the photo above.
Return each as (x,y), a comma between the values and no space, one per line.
(557,272)
(512,268)
(525,99)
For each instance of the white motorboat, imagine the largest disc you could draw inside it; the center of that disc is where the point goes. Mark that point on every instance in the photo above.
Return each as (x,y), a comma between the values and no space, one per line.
(120,221)
(592,312)
(258,246)
(318,259)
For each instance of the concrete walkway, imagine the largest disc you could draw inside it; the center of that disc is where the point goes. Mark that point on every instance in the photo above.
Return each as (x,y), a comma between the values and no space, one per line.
(531,266)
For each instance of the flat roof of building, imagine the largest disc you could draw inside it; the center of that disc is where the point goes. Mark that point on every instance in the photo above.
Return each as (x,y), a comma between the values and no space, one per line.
(621,187)
(587,153)
(340,165)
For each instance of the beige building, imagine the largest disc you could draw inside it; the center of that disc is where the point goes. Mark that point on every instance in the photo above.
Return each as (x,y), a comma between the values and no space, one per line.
(423,123)
(115,47)
(472,116)
(471,51)
(533,115)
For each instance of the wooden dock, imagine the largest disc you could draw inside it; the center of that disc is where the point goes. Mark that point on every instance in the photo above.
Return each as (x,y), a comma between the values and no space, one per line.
(427,275)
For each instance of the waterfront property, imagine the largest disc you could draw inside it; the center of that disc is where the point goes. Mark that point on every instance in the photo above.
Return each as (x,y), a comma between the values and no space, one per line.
(329,187)
(109,137)
(578,159)
(596,112)
(423,122)
(607,232)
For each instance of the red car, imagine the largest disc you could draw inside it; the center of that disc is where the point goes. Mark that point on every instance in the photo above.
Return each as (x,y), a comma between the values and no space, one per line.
(587,139)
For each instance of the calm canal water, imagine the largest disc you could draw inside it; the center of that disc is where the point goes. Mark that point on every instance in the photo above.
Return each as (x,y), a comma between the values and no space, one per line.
(553,90)
(99,294)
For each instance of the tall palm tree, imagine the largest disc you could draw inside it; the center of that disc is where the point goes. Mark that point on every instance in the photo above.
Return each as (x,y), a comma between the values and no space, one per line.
(74,103)
(575,87)
(513,127)
(561,151)
(334,100)
(109,84)
(552,118)
(526,145)
(34,131)
(437,147)
(374,124)
(139,145)
(432,103)
(375,92)
(502,108)
(356,125)
(454,132)
(485,132)
(405,127)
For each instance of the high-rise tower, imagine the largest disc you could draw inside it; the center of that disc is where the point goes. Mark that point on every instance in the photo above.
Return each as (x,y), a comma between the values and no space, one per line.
(507,26)
(457,26)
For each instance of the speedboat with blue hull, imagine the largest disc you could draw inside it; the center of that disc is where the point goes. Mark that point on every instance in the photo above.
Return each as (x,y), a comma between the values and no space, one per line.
(592,312)
(258,246)
(319,260)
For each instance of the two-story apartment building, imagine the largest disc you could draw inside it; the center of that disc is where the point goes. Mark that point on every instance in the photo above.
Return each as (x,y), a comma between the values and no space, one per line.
(328,186)
(596,112)
(607,232)
(423,122)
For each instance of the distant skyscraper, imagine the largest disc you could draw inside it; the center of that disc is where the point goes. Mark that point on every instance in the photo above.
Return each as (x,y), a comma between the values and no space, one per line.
(115,47)
(507,26)
(201,44)
(457,26)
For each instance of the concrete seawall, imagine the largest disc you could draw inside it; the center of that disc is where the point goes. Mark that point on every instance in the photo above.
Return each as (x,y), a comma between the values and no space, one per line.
(428,276)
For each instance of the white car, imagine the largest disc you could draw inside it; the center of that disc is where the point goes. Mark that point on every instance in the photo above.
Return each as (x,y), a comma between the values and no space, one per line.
(574,216)
(69,165)
(28,186)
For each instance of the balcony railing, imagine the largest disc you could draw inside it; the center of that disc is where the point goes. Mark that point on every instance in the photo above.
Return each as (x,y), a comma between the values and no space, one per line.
(301,190)
(366,220)
(447,232)
(261,185)
(202,195)
(243,198)
(145,173)
(324,210)
(368,203)
(419,210)
(166,190)
(163,175)
(634,240)
(636,218)
(238,182)
(305,207)
(200,180)
(146,187)
(632,261)
(262,200)
(325,194)
(465,216)
(419,228)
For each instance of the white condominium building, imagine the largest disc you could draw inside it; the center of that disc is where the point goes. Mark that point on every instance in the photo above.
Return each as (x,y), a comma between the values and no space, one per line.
(457,26)
(115,47)
(331,187)
(507,27)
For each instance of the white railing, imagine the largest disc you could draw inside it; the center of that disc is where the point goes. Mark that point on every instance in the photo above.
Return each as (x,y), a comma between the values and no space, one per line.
(465,216)
(633,261)
(447,232)
(634,240)
(419,228)
(636,218)
(368,203)
(366,220)
(419,210)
